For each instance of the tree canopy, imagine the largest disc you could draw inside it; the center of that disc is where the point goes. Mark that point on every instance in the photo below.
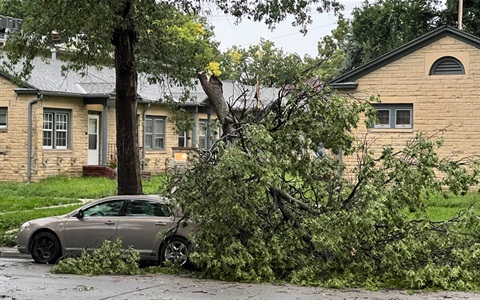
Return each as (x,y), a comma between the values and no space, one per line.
(165,40)
(384,25)
(377,27)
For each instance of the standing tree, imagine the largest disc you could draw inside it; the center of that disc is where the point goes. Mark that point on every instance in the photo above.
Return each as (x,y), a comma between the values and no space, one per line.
(384,25)
(163,39)
(470,21)
(262,64)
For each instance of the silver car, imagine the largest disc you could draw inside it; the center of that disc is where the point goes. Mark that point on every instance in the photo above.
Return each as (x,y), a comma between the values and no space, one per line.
(148,223)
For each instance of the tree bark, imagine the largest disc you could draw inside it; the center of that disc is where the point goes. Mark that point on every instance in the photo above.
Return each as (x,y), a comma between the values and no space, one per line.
(128,170)
(213,87)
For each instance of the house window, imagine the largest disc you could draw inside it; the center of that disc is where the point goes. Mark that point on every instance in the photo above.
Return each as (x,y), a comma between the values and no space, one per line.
(394,116)
(56,129)
(155,133)
(3,117)
(182,138)
(447,65)
(202,137)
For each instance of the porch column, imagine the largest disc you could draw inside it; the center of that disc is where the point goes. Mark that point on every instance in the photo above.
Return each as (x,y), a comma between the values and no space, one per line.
(209,129)
(194,128)
(105,134)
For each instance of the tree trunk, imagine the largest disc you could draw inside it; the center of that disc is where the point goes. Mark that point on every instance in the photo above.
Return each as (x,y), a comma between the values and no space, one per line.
(213,87)
(128,170)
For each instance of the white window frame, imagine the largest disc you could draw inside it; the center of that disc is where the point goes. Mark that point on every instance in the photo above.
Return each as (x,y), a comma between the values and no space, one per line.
(182,134)
(409,125)
(4,111)
(160,135)
(202,134)
(378,125)
(59,128)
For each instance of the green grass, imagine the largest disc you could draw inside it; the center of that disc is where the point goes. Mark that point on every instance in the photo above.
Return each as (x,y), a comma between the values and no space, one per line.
(440,208)
(20,202)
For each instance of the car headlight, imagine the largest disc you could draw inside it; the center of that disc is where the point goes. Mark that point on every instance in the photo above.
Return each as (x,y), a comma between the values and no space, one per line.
(25,226)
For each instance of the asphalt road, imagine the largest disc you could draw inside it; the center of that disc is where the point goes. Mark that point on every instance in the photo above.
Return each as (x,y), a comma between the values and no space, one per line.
(22,279)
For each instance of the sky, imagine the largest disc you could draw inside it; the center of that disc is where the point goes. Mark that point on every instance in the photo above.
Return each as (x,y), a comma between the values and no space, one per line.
(285,36)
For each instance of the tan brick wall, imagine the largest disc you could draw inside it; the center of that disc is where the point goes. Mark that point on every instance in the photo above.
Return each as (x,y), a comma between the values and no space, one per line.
(157,161)
(13,140)
(50,162)
(445,105)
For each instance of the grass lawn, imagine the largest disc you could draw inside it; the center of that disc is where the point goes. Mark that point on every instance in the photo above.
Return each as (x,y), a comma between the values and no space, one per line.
(20,202)
(440,208)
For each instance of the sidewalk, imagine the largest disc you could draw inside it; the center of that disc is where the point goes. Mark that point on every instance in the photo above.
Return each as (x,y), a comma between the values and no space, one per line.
(11,252)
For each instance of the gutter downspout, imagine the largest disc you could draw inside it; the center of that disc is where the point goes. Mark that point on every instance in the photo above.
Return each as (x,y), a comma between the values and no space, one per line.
(29,134)
(144,115)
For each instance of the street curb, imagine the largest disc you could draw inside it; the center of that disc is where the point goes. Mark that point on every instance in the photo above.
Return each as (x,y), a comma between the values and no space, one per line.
(12,253)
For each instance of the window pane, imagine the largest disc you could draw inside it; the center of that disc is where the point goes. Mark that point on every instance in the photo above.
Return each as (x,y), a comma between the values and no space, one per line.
(149,125)
(203,128)
(383,117)
(61,122)
(92,126)
(159,142)
(61,139)
(148,141)
(402,117)
(159,128)
(182,139)
(3,119)
(92,142)
(161,210)
(47,138)
(202,138)
(48,121)
(202,143)
(106,209)
(48,130)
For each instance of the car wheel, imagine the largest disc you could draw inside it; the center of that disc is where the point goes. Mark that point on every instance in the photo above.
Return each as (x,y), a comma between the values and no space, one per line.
(45,248)
(175,250)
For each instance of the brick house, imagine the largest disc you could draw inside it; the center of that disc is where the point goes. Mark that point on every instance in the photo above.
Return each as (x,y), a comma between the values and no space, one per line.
(431,84)
(56,124)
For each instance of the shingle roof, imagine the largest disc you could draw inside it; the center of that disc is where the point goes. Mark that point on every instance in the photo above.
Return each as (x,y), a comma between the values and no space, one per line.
(47,77)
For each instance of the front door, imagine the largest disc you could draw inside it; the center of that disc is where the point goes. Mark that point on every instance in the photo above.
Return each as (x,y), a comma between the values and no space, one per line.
(93,140)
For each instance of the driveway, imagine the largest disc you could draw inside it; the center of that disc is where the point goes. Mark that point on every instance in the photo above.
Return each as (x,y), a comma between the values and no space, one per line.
(22,279)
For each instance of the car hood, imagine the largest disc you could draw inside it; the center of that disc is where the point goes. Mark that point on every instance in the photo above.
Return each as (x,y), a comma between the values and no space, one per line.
(47,220)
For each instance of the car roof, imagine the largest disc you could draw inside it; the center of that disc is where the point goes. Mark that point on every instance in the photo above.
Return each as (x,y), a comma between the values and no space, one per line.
(135,197)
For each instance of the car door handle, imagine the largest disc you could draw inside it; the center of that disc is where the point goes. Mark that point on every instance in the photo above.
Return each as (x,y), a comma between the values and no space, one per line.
(109,223)
(161,223)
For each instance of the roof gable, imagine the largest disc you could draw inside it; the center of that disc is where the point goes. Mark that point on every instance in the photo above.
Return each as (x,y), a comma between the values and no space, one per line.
(402,51)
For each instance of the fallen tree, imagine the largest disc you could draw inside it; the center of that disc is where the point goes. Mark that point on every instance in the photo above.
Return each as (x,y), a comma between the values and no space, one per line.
(272,206)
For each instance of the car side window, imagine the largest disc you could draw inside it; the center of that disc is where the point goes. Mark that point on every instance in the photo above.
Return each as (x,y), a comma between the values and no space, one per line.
(147,209)
(105,209)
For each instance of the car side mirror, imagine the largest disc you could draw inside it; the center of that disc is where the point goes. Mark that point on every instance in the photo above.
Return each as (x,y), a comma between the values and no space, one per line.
(79,214)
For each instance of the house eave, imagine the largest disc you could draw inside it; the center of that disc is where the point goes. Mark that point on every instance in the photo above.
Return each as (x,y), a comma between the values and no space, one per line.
(344,85)
(25,91)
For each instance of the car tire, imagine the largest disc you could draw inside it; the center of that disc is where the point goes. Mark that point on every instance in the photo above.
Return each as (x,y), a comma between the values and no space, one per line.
(175,250)
(45,248)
